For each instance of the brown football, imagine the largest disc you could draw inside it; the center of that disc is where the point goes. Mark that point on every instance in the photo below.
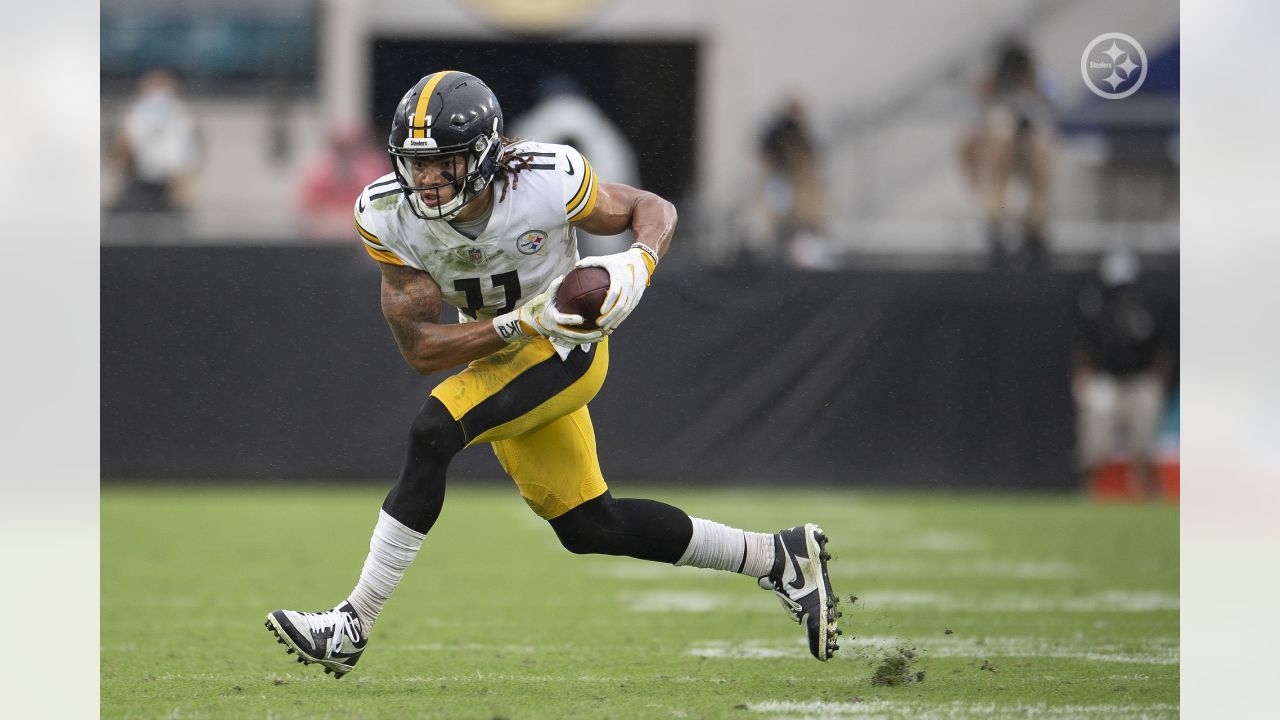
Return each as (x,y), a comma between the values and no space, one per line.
(582,292)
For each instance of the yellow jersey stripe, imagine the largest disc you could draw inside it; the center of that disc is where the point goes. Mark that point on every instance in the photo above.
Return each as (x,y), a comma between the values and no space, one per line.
(368,236)
(461,397)
(418,127)
(585,212)
(582,189)
(384,257)
(582,388)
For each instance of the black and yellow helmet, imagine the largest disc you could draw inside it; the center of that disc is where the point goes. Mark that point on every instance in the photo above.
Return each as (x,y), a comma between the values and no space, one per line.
(447,113)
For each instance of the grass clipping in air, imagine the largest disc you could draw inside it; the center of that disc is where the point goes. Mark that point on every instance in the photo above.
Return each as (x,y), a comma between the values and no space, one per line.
(897,668)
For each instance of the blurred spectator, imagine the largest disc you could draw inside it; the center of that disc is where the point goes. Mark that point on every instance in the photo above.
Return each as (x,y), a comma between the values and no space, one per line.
(565,116)
(158,151)
(1012,139)
(792,197)
(1121,368)
(330,185)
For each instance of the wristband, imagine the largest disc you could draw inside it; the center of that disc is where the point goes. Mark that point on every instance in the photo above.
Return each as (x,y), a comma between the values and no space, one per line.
(651,257)
(510,328)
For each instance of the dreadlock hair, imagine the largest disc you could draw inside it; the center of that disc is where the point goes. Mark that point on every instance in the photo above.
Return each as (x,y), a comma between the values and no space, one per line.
(510,163)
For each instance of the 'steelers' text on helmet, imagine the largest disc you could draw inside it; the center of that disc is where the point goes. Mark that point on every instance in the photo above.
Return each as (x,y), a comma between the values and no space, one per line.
(448,113)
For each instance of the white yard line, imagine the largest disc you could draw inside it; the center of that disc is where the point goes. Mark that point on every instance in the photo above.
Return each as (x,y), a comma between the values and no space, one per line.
(1150,651)
(943,541)
(1153,651)
(466,647)
(485,679)
(978,567)
(951,711)
(904,598)
(633,570)
(748,650)
(696,602)
(1104,601)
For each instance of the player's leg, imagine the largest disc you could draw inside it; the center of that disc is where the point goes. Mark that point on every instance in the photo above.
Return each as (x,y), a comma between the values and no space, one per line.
(337,637)
(501,391)
(1096,425)
(629,527)
(1142,400)
(512,390)
(1038,167)
(997,170)
(557,470)
(410,508)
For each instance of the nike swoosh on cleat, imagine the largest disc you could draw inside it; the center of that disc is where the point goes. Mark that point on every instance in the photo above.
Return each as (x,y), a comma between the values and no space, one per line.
(798,582)
(570,161)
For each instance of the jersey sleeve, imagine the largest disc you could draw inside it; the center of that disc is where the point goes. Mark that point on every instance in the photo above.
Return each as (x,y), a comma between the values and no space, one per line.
(580,185)
(369,227)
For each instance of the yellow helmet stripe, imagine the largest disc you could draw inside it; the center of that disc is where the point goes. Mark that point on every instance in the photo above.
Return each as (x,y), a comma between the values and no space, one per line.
(419,125)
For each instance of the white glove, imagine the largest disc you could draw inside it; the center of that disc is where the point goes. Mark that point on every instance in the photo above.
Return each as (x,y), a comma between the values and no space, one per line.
(629,273)
(539,316)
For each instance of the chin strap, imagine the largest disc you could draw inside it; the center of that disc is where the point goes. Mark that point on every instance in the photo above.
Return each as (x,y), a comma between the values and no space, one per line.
(487,164)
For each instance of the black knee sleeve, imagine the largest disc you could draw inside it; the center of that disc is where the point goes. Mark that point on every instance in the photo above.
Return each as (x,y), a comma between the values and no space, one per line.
(434,438)
(644,529)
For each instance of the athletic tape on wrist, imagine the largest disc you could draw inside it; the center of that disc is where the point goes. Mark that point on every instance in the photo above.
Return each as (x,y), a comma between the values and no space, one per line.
(509,327)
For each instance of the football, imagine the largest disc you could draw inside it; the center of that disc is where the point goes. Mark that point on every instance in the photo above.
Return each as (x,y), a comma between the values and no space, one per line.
(582,293)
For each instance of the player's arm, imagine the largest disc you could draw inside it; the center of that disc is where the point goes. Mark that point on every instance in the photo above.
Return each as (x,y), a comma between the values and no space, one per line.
(411,303)
(652,222)
(651,219)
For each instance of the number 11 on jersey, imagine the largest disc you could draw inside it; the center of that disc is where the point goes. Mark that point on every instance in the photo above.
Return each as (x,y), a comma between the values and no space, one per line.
(508,281)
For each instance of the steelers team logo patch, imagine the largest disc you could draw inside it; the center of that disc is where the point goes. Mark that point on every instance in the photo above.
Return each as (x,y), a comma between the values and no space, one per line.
(531,242)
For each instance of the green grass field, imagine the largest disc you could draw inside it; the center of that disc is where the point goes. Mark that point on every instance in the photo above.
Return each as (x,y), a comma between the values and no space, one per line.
(1012,606)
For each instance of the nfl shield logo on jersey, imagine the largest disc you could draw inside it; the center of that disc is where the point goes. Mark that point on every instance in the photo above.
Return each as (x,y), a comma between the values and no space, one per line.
(476,255)
(531,242)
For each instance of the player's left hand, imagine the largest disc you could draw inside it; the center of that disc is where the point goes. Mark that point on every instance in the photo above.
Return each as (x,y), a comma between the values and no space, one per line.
(540,316)
(629,273)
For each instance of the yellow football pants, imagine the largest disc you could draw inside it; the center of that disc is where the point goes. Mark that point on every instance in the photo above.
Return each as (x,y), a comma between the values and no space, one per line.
(532,407)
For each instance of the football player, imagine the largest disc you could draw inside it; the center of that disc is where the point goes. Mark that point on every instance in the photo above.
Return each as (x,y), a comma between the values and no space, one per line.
(471,218)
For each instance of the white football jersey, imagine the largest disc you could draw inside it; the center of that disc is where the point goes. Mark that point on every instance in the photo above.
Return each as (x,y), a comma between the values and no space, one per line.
(528,241)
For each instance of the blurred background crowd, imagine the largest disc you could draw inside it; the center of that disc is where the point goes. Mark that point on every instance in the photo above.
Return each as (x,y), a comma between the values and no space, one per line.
(833,132)
(835,136)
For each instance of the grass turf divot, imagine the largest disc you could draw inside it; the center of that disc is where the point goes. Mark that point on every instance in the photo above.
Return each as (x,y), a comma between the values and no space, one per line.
(897,668)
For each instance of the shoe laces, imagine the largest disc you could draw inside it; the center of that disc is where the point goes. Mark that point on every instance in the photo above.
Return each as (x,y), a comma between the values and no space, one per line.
(339,621)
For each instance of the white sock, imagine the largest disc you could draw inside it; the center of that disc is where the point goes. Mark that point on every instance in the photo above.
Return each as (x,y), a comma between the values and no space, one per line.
(391,549)
(721,547)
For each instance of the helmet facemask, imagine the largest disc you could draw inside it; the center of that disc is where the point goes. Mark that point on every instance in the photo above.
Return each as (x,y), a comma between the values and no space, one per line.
(474,166)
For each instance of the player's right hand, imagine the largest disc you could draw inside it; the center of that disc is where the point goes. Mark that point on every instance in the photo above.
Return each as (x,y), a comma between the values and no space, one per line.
(539,316)
(629,273)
